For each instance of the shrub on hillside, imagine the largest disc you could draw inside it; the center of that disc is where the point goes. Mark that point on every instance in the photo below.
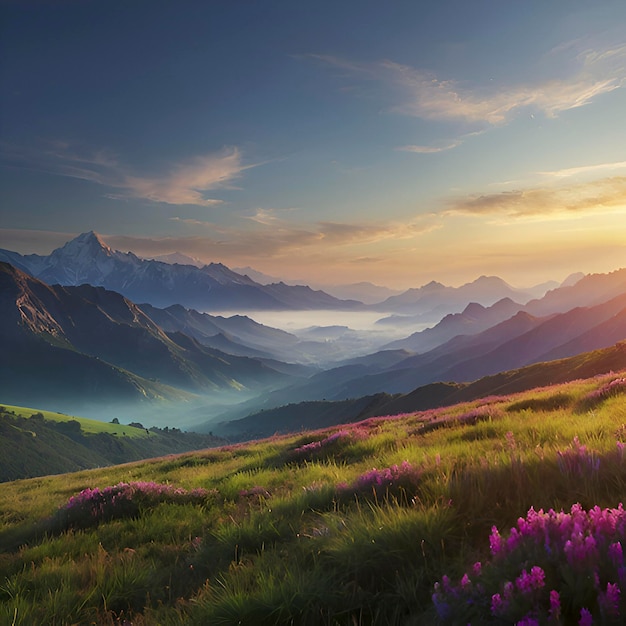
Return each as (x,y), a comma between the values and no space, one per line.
(394,480)
(612,388)
(329,445)
(92,506)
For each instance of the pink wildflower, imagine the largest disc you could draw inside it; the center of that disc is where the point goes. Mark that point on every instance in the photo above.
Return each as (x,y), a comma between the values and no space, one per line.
(495,541)
(555,605)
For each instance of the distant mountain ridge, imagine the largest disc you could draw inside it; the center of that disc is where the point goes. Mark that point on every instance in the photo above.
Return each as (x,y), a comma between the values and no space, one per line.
(485,290)
(320,414)
(87,259)
(454,350)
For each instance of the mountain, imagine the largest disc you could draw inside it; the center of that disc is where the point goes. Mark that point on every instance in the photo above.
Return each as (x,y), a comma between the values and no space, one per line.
(363,292)
(89,343)
(589,290)
(435,298)
(321,414)
(259,277)
(473,319)
(179,258)
(87,259)
(237,334)
(521,340)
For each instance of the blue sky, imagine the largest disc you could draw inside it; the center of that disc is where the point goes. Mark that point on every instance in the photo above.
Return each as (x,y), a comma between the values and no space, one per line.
(334,142)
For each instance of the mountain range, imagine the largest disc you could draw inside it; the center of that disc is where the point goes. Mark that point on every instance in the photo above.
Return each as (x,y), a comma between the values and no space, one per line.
(92,345)
(178,279)
(480,341)
(73,338)
(214,287)
(304,416)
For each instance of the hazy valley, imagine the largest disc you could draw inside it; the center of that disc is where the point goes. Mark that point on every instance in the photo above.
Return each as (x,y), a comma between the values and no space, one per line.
(89,350)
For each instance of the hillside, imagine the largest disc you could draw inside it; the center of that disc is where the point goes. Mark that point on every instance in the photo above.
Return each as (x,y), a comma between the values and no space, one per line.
(319,414)
(38,443)
(77,346)
(394,520)
(518,341)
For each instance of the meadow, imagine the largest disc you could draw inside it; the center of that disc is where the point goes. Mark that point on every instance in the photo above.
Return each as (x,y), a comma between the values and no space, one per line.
(504,510)
(88,426)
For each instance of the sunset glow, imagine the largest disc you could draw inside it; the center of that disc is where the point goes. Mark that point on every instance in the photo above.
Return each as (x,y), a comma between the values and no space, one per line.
(329,143)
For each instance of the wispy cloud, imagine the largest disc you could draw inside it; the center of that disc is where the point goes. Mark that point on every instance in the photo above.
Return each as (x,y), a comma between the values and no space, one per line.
(269,217)
(425,95)
(547,203)
(187,182)
(428,149)
(585,169)
(274,239)
(450,145)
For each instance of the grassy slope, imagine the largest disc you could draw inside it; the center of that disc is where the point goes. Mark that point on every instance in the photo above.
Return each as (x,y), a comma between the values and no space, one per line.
(299,550)
(89,426)
(37,443)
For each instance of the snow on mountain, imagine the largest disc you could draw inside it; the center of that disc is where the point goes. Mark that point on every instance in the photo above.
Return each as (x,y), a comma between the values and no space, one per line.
(177,258)
(87,259)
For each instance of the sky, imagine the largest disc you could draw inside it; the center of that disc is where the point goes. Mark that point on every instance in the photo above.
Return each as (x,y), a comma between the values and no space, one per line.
(330,142)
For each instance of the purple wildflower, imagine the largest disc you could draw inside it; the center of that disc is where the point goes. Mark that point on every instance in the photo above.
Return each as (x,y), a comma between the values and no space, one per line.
(585,618)
(380,480)
(529,582)
(495,541)
(498,605)
(609,600)
(577,460)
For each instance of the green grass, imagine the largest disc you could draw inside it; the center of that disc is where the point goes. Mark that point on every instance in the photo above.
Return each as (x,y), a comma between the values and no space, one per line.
(88,426)
(276,541)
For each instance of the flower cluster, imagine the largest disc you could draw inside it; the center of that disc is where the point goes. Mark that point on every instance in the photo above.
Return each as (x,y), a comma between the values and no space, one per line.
(92,506)
(441,419)
(612,388)
(577,460)
(329,443)
(255,493)
(553,568)
(381,482)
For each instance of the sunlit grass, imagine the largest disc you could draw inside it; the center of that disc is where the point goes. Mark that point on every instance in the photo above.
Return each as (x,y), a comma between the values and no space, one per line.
(287,535)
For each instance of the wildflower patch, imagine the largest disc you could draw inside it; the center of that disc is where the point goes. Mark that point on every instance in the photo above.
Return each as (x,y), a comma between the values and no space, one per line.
(92,506)
(384,482)
(553,568)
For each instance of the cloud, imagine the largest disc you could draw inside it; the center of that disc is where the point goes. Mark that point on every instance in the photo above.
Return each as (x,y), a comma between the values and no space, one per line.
(419,149)
(547,203)
(276,239)
(185,183)
(428,149)
(427,96)
(585,169)
(268,217)
(32,241)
